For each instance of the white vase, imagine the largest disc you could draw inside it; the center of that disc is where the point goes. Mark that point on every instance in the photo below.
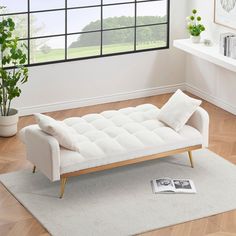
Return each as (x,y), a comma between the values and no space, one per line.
(8,124)
(195,39)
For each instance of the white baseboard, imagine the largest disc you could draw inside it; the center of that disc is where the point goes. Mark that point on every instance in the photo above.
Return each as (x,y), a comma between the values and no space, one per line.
(212,99)
(23,111)
(127,96)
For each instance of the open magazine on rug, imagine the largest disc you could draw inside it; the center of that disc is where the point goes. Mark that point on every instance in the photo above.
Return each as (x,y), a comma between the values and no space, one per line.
(165,185)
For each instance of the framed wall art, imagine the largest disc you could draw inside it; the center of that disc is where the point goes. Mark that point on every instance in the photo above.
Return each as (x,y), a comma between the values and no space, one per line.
(225,13)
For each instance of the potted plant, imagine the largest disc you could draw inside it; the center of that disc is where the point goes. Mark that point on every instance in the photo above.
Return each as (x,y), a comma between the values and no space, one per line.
(195,27)
(12,74)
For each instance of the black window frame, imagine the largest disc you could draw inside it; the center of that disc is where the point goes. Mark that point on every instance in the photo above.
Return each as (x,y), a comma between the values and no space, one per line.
(66,8)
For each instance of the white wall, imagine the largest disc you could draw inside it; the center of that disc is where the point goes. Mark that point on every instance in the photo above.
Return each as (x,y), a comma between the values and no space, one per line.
(204,79)
(73,84)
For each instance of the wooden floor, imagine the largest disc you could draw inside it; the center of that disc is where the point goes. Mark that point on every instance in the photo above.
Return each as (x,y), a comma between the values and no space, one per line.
(16,220)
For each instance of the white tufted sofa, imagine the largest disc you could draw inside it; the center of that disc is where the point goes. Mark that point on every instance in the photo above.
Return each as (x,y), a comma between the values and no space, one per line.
(111,137)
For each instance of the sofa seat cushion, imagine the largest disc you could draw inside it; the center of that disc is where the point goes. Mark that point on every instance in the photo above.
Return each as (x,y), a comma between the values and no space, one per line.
(119,135)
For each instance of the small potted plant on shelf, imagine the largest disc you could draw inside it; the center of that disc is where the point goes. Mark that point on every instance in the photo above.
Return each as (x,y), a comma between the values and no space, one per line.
(195,27)
(12,74)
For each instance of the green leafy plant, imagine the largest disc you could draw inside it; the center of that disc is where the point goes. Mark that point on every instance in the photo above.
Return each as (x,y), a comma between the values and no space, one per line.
(195,27)
(13,56)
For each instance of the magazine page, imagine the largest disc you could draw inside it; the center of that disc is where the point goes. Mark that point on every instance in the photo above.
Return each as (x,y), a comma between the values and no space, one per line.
(184,186)
(163,185)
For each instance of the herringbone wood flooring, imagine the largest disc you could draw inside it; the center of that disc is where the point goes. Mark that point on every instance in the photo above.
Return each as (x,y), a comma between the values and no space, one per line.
(16,220)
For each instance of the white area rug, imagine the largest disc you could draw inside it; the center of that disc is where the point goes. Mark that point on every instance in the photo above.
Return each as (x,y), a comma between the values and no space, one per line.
(121,202)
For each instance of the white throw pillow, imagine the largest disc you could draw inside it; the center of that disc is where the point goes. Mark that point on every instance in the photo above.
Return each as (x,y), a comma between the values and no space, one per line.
(65,135)
(177,111)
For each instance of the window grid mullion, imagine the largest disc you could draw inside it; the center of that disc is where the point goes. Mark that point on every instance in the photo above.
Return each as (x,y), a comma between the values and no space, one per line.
(168,23)
(72,8)
(135,24)
(28,26)
(101,43)
(95,31)
(66,34)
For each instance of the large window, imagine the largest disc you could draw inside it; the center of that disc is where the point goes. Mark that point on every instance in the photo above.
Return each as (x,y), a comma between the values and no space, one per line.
(64,30)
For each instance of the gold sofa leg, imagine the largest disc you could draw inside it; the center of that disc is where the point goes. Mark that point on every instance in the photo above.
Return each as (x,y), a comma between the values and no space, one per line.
(34,169)
(63,184)
(190,158)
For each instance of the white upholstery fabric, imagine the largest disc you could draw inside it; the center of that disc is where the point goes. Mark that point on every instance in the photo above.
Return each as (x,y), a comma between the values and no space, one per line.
(200,121)
(113,136)
(43,121)
(179,108)
(64,134)
(118,135)
(43,151)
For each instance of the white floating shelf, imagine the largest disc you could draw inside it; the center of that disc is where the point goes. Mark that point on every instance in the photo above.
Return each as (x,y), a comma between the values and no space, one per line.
(208,53)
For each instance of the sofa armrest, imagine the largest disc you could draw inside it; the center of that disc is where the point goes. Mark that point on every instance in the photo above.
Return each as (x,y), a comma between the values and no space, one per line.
(200,121)
(43,151)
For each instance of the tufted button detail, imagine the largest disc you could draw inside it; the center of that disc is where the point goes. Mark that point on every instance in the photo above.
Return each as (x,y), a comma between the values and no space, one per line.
(128,130)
